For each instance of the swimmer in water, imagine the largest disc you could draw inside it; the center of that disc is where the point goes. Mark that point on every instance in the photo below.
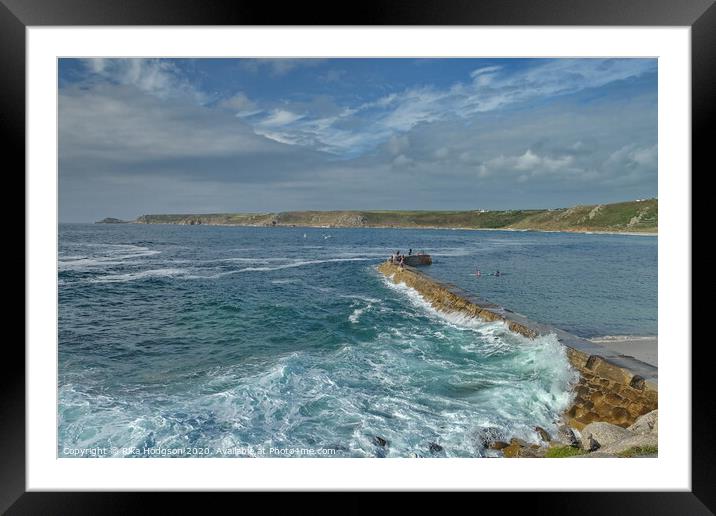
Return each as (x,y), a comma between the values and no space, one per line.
(478,273)
(497,273)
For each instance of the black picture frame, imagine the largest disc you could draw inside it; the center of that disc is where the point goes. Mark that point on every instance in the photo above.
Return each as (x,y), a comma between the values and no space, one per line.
(17,15)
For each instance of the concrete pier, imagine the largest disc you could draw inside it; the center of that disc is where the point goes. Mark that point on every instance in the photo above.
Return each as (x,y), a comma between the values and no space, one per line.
(614,388)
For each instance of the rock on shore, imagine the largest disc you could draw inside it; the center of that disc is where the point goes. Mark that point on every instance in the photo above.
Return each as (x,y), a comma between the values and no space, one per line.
(598,439)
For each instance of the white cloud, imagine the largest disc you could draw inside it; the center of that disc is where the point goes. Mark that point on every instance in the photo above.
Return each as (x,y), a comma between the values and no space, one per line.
(528,164)
(96,65)
(528,161)
(645,157)
(484,70)
(279,66)
(118,123)
(154,76)
(484,76)
(631,156)
(142,121)
(490,88)
(241,105)
(279,118)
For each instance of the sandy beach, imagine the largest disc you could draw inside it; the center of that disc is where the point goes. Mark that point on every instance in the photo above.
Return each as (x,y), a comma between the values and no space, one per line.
(643,348)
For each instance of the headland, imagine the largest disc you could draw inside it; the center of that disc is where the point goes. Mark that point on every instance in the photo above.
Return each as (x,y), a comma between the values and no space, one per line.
(633,217)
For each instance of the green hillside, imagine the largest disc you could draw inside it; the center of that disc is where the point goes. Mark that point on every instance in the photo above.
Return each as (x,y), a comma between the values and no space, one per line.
(633,216)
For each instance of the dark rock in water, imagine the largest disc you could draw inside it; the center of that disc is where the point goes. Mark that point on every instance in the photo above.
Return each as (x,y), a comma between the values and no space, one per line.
(435,447)
(488,435)
(543,434)
(498,445)
(380,441)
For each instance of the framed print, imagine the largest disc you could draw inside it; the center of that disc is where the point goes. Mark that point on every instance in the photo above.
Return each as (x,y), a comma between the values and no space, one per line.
(385,252)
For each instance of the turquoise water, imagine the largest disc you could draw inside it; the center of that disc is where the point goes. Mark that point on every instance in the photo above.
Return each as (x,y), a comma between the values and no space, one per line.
(228,341)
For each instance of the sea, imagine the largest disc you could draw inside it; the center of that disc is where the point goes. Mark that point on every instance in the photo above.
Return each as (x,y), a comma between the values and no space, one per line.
(218,341)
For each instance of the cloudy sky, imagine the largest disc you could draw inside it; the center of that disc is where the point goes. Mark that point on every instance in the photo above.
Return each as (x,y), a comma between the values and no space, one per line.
(143,136)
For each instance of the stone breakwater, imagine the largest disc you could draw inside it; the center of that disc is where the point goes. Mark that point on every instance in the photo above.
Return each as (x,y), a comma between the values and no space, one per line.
(612,388)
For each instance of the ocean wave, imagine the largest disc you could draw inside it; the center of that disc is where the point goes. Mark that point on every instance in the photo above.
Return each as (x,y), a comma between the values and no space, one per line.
(342,399)
(109,255)
(228,364)
(300,263)
(194,273)
(456,319)
(355,316)
(290,265)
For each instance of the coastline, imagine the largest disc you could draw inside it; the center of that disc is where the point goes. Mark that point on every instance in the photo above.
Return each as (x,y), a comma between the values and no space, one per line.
(300,226)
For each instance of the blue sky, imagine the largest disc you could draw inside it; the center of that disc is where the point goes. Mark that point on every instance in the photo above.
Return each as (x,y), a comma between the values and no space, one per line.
(143,136)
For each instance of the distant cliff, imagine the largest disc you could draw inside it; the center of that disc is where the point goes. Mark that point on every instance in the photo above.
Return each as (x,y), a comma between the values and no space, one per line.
(633,216)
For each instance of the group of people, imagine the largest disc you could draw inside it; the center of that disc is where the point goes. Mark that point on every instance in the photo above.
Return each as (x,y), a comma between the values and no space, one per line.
(399,259)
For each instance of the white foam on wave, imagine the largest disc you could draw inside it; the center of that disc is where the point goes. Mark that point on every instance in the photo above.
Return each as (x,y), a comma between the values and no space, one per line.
(250,260)
(542,374)
(457,319)
(355,316)
(109,254)
(344,398)
(132,276)
(299,263)
(191,274)
(362,390)
(121,249)
(290,265)
(361,298)
(368,304)
(285,281)
(88,263)
(544,361)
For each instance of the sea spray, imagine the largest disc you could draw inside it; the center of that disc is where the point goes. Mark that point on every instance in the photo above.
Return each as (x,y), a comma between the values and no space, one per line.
(163,345)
